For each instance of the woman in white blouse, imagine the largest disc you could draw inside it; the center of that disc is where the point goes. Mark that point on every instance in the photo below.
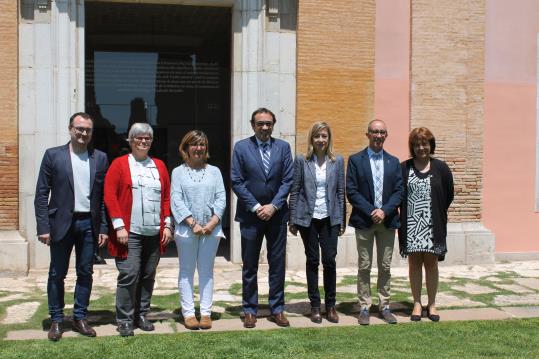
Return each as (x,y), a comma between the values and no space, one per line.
(198,202)
(317,211)
(137,196)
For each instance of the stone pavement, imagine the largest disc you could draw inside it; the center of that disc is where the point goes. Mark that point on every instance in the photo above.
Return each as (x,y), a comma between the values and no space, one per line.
(480,292)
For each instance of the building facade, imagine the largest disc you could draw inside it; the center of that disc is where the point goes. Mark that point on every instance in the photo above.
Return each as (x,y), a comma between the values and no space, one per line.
(467,70)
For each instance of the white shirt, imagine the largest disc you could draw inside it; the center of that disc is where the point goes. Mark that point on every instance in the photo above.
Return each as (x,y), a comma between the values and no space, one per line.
(80,163)
(320,204)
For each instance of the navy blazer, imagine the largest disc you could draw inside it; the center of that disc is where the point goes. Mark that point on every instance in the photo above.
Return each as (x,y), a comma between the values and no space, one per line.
(251,184)
(54,216)
(303,192)
(360,190)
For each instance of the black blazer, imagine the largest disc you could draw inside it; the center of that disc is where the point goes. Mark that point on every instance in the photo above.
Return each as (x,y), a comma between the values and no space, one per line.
(54,216)
(360,190)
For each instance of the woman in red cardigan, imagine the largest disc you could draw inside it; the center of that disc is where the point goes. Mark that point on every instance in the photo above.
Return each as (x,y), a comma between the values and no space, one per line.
(137,196)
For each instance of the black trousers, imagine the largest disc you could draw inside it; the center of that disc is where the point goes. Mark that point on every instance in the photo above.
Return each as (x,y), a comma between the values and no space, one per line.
(320,234)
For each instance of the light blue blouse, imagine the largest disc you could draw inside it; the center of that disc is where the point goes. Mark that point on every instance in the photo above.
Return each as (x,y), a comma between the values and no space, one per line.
(198,193)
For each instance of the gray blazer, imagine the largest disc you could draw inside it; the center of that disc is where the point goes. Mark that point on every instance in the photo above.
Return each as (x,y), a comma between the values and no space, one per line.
(303,192)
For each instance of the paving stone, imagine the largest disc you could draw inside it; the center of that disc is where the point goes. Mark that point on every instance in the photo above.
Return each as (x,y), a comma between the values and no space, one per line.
(532,283)
(514,288)
(473,314)
(16,285)
(472,288)
(493,279)
(10,297)
(218,309)
(516,299)
(347,289)
(522,312)
(165,291)
(223,297)
(444,300)
(295,289)
(527,272)
(20,313)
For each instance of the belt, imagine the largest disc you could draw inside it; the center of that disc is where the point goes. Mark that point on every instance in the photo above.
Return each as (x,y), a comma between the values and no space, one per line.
(80,215)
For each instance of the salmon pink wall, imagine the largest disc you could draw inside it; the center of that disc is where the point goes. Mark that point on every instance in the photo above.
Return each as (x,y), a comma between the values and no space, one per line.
(510,124)
(392,72)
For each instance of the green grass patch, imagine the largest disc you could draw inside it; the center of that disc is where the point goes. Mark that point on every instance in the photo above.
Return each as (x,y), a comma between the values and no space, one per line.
(444,340)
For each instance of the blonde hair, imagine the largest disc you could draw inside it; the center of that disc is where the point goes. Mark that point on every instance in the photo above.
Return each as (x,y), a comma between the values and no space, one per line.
(194,137)
(315,129)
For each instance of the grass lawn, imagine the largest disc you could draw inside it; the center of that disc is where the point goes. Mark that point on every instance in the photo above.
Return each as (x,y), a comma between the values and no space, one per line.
(503,339)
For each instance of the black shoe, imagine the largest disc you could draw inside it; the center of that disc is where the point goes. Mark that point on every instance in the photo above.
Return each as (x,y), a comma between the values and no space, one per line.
(433,317)
(315,315)
(125,329)
(145,324)
(387,317)
(55,332)
(83,327)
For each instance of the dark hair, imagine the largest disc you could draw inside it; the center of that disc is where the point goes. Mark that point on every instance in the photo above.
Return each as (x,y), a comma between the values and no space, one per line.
(420,134)
(194,137)
(84,115)
(262,110)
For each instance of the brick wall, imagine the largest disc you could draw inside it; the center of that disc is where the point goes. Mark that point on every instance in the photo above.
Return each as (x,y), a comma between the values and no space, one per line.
(447,81)
(9,161)
(335,70)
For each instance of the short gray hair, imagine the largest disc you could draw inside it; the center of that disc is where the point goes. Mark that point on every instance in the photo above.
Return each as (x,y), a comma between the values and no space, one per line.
(139,128)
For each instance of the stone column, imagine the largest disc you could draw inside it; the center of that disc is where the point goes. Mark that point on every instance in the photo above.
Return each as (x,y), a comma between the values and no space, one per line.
(264,75)
(447,85)
(51,75)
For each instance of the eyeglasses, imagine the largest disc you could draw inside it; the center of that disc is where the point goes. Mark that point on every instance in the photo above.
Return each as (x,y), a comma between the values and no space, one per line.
(378,132)
(81,130)
(197,145)
(140,139)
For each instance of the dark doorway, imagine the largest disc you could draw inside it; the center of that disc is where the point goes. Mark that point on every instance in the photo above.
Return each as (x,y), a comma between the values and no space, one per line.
(168,65)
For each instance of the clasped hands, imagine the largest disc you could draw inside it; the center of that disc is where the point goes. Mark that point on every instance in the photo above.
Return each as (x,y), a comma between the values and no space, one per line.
(199,229)
(378,216)
(265,212)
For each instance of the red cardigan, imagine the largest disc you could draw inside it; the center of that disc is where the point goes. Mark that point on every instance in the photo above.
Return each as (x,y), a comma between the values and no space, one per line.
(119,199)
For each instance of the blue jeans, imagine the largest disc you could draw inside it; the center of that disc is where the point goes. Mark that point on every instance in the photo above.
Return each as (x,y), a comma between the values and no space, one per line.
(81,236)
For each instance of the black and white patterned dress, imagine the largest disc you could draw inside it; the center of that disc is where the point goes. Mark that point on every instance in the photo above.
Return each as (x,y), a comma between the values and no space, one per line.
(419,236)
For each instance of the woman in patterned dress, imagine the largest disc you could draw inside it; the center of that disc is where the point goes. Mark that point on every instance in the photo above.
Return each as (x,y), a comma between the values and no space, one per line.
(428,192)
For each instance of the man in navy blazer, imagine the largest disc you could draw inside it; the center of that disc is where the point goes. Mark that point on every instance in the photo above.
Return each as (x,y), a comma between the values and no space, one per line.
(74,215)
(374,189)
(261,175)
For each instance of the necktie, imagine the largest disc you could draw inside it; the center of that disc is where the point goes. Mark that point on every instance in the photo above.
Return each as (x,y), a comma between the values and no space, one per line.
(266,157)
(378,180)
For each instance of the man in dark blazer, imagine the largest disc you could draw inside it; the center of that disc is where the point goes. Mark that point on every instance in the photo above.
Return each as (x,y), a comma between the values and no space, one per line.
(374,189)
(73,175)
(261,177)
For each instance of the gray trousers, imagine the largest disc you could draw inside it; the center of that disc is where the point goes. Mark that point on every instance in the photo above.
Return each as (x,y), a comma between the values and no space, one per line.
(136,277)
(385,239)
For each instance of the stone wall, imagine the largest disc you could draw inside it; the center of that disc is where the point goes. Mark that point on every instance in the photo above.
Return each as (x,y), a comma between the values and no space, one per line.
(447,91)
(9,156)
(335,70)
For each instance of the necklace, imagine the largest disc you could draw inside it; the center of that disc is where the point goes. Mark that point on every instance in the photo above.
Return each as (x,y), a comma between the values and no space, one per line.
(196,176)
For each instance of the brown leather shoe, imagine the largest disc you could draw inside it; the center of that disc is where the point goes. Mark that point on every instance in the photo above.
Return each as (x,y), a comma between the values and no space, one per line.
(83,328)
(55,332)
(205,322)
(191,323)
(315,315)
(249,321)
(279,319)
(331,315)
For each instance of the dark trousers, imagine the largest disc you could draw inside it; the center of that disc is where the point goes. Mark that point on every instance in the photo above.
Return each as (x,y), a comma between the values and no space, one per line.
(136,277)
(252,235)
(81,236)
(320,233)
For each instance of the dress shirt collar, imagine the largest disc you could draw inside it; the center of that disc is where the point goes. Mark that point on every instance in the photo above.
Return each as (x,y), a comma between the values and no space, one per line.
(259,143)
(372,153)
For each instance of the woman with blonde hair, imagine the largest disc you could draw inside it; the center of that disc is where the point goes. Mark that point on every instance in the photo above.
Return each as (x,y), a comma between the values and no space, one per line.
(198,201)
(318,211)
